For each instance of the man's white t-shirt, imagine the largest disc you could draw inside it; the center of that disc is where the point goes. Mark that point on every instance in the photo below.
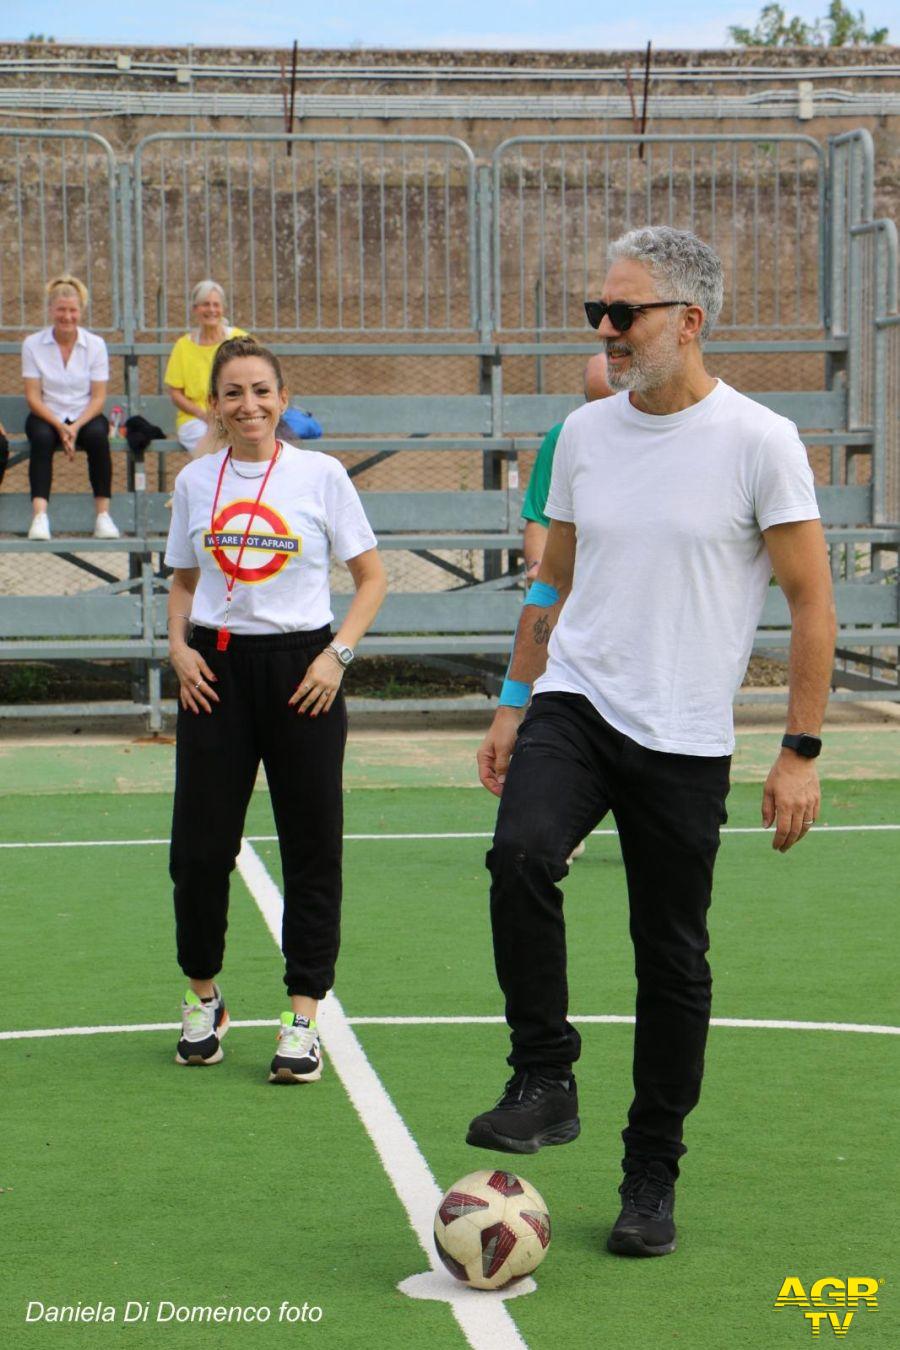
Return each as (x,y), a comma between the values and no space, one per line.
(671,568)
(310,509)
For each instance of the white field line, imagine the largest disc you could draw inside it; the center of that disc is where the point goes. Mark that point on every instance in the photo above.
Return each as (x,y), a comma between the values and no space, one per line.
(375,838)
(601,1019)
(485,1323)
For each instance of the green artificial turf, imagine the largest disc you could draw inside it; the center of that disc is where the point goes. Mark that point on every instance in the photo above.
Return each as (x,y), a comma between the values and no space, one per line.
(123,1177)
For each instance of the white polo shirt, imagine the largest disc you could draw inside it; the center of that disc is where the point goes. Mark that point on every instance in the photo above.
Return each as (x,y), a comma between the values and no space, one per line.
(65,389)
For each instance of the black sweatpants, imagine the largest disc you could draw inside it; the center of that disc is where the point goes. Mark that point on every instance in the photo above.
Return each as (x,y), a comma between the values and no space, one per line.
(92,438)
(569,768)
(216,762)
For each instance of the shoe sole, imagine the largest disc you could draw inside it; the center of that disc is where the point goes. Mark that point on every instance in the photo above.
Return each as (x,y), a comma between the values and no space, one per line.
(632,1244)
(197,1061)
(487,1137)
(285,1075)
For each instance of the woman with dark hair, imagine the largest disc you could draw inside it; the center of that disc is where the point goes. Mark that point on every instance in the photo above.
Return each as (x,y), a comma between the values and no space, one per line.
(254,527)
(65,370)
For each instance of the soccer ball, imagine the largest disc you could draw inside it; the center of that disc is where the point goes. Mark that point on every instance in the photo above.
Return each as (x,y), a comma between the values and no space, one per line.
(490,1228)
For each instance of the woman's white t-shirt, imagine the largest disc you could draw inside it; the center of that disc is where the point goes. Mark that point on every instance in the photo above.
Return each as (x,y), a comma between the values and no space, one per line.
(310,509)
(671,568)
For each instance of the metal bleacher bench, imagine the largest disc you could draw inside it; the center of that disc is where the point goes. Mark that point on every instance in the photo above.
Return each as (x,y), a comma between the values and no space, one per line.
(126,619)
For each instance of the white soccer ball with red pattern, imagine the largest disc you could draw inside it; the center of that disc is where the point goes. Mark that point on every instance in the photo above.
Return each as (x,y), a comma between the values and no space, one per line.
(490,1228)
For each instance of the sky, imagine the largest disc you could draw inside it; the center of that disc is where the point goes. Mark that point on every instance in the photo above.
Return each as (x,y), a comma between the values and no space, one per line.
(485,24)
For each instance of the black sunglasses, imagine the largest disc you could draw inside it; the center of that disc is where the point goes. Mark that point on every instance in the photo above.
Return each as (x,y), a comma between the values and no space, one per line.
(622,315)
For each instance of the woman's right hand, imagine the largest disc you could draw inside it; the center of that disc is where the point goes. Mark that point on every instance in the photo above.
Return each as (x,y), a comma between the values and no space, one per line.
(195,679)
(67,436)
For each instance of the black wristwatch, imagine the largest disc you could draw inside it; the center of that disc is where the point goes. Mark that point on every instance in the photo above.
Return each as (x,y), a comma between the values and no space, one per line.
(810,747)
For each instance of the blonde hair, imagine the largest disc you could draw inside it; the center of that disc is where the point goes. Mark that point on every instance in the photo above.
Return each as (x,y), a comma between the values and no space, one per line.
(66,284)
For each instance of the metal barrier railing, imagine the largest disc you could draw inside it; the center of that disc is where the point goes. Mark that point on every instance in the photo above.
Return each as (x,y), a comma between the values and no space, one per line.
(308,233)
(559,201)
(851,178)
(57,214)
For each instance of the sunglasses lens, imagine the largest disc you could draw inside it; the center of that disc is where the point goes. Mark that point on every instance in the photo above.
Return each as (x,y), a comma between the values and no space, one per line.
(621,316)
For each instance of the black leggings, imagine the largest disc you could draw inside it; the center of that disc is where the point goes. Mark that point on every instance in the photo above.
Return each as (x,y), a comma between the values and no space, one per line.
(4,455)
(43,440)
(216,762)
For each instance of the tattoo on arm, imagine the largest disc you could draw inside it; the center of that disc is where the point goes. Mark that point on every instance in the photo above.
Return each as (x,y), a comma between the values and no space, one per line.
(541,631)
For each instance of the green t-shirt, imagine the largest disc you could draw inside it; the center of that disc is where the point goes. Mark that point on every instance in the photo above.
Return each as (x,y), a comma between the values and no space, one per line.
(539,482)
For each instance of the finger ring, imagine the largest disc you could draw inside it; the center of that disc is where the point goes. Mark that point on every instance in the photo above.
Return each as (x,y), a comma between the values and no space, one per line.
(809,822)
(198,684)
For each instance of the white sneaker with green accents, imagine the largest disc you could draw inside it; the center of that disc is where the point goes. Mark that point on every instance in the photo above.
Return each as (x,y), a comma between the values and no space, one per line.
(203,1024)
(298,1056)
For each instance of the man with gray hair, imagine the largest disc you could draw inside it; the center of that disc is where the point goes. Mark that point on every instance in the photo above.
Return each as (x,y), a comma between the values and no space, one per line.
(677,497)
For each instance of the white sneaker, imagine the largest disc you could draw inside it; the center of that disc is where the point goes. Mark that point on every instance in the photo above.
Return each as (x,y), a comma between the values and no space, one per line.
(105,527)
(40,526)
(576,853)
(298,1055)
(202,1027)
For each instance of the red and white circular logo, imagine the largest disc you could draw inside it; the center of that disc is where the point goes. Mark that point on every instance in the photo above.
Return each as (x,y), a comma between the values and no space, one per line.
(265,552)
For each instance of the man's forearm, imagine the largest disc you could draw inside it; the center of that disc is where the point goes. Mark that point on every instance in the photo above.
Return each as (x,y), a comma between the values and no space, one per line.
(810,664)
(529,657)
(534,540)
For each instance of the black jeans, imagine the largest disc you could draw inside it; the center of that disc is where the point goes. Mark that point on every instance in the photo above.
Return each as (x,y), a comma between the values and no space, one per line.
(43,440)
(216,761)
(570,767)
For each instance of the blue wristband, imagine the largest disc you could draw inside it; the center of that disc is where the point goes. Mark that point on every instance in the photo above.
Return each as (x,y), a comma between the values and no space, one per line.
(542,594)
(514,694)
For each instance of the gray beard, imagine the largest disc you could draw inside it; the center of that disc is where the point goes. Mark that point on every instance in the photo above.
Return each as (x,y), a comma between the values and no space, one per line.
(647,370)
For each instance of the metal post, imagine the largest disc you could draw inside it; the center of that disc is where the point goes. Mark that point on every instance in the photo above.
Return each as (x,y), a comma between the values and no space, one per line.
(138,564)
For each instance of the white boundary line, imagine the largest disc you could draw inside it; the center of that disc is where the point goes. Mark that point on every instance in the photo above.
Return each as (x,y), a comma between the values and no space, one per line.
(375,838)
(607,1019)
(484,1322)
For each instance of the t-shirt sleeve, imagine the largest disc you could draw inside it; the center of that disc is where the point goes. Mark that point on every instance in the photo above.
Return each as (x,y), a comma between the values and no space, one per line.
(175,367)
(539,482)
(179,548)
(348,529)
(560,505)
(98,370)
(30,368)
(783,487)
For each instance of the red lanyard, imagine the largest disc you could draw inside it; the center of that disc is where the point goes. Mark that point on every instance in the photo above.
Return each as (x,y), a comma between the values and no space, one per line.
(223,637)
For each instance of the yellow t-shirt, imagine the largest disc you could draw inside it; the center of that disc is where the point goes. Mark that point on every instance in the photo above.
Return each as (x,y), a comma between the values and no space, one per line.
(189,370)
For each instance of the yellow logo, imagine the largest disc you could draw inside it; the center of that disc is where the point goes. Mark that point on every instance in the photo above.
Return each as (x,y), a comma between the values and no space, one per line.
(831,1302)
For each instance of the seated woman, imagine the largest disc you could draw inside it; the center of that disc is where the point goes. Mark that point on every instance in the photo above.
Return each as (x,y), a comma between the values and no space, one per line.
(66,370)
(188,370)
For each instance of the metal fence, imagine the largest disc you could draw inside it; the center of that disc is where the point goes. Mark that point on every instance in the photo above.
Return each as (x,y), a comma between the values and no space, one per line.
(57,214)
(435,274)
(308,234)
(559,201)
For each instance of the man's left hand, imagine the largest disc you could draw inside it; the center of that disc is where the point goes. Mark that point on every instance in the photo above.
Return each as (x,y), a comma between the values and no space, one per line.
(791,799)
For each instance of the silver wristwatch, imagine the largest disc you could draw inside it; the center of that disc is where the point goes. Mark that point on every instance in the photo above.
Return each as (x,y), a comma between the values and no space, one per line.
(343,654)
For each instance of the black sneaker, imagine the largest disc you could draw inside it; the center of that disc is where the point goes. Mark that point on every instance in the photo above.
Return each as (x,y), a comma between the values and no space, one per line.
(645,1226)
(538,1106)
